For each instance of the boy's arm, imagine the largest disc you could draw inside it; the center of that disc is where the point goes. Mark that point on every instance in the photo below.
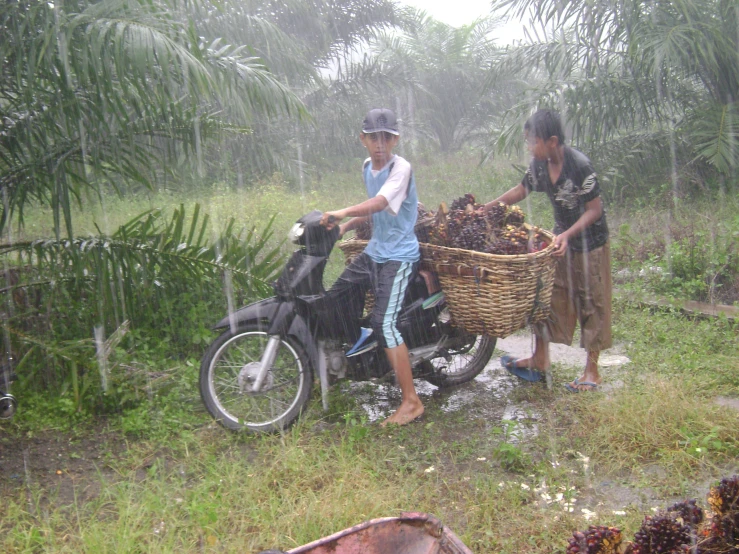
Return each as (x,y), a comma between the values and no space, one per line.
(365,209)
(593,211)
(352,224)
(516,194)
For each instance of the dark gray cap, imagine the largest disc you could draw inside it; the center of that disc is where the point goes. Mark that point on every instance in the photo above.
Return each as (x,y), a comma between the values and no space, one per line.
(379,120)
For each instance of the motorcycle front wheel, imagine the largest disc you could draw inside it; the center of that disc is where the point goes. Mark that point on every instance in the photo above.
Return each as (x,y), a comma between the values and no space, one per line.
(227,374)
(461,364)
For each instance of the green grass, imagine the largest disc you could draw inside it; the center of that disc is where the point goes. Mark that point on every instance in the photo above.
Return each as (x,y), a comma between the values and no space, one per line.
(657,438)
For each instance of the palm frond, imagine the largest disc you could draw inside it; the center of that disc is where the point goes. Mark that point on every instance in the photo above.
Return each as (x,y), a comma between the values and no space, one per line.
(716,136)
(148,258)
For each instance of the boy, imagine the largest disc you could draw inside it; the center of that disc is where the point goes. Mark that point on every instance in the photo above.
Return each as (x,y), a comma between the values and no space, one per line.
(582,280)
(388,263)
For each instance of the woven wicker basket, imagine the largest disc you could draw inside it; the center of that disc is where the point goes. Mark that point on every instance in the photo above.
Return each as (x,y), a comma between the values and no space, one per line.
(487,294)
(351,249)
(493,294)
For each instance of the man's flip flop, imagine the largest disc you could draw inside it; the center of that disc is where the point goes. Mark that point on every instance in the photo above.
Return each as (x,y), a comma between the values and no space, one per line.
(525,373)
(572,387)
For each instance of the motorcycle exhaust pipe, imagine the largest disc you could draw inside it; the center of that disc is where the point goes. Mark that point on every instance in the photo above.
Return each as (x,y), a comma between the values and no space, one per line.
(8,405)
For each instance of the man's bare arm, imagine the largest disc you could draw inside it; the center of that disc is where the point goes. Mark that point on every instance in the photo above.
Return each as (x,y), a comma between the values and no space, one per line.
(511,196)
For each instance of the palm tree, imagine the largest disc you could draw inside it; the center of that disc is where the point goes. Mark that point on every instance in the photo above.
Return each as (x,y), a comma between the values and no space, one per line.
(315,46)
(640,74)
(456,92)
(113,91)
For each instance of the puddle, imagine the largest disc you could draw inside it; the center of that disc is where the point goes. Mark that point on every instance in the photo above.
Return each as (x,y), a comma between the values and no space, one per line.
(728,402)
(487,397)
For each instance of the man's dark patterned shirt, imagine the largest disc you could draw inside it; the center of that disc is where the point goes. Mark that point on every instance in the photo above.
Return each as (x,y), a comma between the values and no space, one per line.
(577,185)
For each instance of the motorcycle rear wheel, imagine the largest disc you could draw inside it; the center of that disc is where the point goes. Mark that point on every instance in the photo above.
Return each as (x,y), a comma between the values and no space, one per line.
(227,373)
(461,364)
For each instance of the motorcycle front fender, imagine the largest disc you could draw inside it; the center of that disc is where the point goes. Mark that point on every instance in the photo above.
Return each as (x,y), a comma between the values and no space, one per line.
(300,331)
(262,311)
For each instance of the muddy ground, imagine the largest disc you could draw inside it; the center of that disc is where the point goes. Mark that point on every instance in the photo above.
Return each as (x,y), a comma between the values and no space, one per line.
(53,459)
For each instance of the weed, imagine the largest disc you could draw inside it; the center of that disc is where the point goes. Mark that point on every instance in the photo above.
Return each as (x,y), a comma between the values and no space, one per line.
(510,456)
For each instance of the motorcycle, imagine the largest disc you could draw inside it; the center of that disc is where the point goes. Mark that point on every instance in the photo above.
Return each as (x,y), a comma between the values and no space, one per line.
(258,373)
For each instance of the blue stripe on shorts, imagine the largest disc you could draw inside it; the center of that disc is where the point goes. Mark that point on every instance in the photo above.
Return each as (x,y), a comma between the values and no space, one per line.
(397,294)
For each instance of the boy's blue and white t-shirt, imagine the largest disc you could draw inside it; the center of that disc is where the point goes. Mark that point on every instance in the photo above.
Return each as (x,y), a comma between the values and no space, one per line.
(393,235)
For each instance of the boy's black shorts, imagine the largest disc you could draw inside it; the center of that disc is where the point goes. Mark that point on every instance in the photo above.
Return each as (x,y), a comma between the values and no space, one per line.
(388,282)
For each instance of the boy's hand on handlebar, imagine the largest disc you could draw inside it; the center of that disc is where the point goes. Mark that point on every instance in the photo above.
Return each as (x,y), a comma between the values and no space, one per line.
(330,219)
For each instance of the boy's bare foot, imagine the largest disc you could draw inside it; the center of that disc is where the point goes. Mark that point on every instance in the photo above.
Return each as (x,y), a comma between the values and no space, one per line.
(406,412)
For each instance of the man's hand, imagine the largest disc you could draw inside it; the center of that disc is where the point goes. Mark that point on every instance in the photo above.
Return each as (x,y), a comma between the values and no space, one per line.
(560,245)
(331,219)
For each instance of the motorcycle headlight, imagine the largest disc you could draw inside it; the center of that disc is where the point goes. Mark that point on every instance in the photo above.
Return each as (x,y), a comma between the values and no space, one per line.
(295,233)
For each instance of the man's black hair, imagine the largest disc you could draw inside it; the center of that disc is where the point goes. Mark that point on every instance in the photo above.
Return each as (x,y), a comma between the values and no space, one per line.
(545,124)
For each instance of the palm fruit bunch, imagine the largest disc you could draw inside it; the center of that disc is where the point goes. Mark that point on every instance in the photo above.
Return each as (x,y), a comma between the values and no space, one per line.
(468,228)
(364,230)
(498,213)
(687,510)
(500,230)
(723,532)
(598,539)
(461,226)
(424,223)
(515,216)
(462,202)
(512,240)
(663,534)
(724,498)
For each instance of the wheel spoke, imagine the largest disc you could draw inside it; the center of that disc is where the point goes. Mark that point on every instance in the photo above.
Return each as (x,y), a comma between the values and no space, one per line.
(461,363)
(235,361)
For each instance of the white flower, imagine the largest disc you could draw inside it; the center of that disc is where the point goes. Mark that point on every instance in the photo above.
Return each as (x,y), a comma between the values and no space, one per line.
(482,459)
(429,469)
(619,513)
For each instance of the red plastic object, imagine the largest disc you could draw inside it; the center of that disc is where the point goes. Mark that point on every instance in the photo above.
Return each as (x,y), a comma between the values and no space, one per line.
(411,533)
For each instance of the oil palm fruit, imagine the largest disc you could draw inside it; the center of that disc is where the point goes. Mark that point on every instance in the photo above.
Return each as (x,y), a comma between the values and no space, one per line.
(598,539)
(663,534)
